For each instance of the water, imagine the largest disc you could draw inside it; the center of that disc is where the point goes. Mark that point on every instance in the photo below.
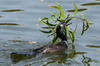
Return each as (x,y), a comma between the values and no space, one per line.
(18,27)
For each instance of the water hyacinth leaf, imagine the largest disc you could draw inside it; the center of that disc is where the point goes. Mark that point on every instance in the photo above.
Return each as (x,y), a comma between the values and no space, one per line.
(50,31)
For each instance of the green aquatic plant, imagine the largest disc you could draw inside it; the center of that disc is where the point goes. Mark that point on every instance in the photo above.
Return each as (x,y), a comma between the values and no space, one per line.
(56,18)
(86,61)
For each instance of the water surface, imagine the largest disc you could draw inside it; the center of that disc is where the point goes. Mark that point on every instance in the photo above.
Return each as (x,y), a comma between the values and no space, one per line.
(18,27)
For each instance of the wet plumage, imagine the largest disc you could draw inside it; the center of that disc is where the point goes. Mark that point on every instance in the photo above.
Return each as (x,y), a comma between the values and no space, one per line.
(52,48)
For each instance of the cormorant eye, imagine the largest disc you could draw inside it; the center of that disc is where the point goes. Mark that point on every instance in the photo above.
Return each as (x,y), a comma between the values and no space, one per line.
(61,25)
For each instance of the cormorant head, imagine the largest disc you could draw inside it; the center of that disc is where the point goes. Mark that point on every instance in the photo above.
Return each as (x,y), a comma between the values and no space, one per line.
(60,30)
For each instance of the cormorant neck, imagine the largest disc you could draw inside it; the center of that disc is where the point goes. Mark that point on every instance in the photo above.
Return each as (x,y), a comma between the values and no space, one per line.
(59,33)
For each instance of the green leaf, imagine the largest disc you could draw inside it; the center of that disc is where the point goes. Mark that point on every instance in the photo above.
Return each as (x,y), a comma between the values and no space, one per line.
(45,18)
(54,38)
(61,17)
(58,7)
(49,24)
(55,14)
(86,24)
(83,29)
(76,10)
(71,36)
(51,35)
(75,29)
(50,31)
(46,22)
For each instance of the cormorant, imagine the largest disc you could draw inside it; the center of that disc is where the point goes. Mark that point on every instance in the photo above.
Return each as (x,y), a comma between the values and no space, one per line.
(52,48)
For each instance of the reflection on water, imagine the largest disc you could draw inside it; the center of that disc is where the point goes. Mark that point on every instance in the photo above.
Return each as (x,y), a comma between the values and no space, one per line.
(22,41)
(90,4)
(19,57)
(9,24)
(1,16)
(86,60)
(12,10)
(18,41)
(79,10)
(93,46)
(61,58)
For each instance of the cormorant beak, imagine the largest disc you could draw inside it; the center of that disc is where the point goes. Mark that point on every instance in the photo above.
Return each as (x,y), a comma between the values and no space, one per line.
(65,24)
(68,24)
